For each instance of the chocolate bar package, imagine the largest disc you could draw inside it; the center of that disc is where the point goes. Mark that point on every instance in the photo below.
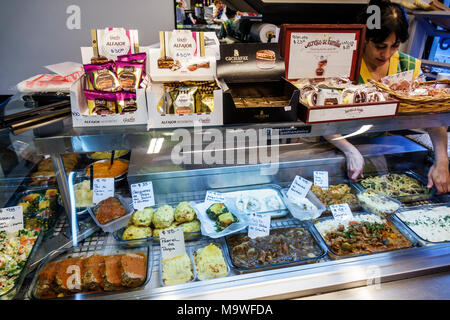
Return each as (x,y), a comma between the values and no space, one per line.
(126,102)
(100,103)
(102,77)
(129,75)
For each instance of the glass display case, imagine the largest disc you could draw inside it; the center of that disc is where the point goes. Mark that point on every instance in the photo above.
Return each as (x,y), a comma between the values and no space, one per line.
(181,167)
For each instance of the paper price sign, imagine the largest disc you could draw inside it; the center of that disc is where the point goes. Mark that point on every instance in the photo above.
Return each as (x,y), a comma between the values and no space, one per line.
(103,189)
(142,194)
(212,196)
(11,219)
(299,188)
(341,211)
(321,179)
(172,242)
(259,225)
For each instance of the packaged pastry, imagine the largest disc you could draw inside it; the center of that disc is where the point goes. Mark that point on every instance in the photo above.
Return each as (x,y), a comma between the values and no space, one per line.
(98,59)
(206,103)
(100,103)
(102,77)
(114,42)
(134,57)
(184,99)
(126,102)
(129,74)
(328,96)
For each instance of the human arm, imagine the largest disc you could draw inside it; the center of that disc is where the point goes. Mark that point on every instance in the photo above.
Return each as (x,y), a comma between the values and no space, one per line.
(438,175)
(354,159)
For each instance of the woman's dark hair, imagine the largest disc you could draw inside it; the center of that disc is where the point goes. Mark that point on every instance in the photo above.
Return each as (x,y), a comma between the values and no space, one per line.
(393,19)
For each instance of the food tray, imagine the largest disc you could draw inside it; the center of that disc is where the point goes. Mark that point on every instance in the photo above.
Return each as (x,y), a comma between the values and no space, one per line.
(116,223)
(306,225)
(366,208)
(300,214)
(397,229)
(79,178)
(89,156)
(194,277)
(11,293)
(420,238)
(47,223)
(260,193)
(86,251)
(194,248)
(407,198)
(188,236)
(116,178)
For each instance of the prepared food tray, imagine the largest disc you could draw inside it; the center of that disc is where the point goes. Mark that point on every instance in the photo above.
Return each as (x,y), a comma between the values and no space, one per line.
(337,193)
(284,247)
(306,208)
(78,273)
(44,175)
(430,224)
(376,202)
(146,223)
(262,199)
(209,260)
(405,186)
(363,234)
(41,207)
(16,251)
(103,169)
(106,155)
(112,213)
(176,270)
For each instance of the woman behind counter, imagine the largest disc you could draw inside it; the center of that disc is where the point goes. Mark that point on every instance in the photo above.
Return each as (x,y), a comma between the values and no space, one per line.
(381,58)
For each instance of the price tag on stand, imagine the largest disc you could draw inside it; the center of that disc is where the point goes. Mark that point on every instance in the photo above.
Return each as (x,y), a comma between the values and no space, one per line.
(341,212)
(172,242)
(142,194)
(321,179)
(103,189)
(299,188)
(259,225)
(11,219)
(216,197)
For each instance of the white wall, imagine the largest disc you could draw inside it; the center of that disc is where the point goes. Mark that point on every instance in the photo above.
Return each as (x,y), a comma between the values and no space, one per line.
(34,33)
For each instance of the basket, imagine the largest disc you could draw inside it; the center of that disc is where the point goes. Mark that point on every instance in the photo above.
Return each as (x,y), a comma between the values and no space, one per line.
(419,104)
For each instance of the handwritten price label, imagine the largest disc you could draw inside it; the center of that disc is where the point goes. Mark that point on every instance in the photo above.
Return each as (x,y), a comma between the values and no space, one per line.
(341,212)
(212,196)
(321,179)
(142,194)
(299,188)
(259,225)
(172,242)
(11,219)
(103,189)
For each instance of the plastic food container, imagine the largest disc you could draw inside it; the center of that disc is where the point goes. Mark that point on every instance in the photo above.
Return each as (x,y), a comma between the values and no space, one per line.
(400,217)
(303,213)
(194,274)
(398,230)
(265,200)
(188,236)
(406,198)
(118,223)
(107,250)
(193,252)
(395,204)
(11,293)
(312,238)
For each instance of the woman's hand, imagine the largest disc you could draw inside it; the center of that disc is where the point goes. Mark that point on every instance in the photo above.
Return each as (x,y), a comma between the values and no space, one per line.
(439,176)
(355,164)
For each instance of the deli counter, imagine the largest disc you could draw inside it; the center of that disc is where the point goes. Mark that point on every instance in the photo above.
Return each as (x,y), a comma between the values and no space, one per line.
(296,149)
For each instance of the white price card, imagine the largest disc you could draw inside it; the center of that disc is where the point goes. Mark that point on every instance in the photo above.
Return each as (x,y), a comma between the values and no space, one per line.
(142,194)
(103,189)
(259,225)
(212,196)
(172,242)
(341,212)
(299,188)
(11,219)
(321,179)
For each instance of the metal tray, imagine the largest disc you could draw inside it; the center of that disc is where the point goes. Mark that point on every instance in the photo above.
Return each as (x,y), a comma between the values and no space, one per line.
(88,155)
(407,198)
(421,240)
(193,250)
(398,228)
(253,191)
(188,236)
(306,225)
(116,178)
(194,273)
(116,223)
(87,251)
(11,293)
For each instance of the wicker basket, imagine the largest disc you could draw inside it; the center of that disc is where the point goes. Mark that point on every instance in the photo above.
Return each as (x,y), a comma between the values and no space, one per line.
(419,104)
